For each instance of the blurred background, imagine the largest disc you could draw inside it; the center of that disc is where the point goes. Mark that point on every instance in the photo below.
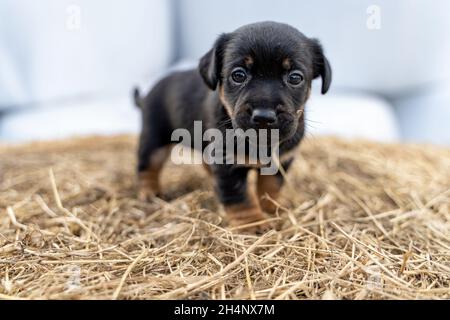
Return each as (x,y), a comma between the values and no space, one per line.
(67,67)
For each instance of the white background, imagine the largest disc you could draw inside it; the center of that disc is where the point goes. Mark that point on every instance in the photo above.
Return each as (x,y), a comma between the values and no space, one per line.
(65,72)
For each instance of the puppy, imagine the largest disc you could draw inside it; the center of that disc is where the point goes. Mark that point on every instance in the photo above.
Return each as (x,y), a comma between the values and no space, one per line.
(258,76)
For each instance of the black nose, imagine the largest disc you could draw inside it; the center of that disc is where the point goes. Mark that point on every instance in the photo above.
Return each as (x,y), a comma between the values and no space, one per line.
(264,117)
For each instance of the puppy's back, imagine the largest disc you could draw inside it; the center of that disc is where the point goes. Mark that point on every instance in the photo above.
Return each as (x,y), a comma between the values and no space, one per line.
(176,98)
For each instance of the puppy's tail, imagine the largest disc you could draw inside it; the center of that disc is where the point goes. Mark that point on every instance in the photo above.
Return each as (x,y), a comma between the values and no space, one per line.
(138,101)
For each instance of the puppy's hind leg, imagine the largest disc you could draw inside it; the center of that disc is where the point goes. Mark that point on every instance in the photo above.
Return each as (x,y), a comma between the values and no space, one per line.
(152,155)
(149,186)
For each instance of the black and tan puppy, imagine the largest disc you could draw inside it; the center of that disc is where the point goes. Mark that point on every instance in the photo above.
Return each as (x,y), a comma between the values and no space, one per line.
(258,76)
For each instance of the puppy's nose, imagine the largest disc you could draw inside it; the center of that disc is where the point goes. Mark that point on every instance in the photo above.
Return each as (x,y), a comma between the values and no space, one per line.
(264,117)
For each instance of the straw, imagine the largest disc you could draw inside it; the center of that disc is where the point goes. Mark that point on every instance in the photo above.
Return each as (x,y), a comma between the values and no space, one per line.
(358,220)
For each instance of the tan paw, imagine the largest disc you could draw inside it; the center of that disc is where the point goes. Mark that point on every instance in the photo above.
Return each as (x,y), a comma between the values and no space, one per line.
(249,220)
(146,195)
(256,227)
(268,206)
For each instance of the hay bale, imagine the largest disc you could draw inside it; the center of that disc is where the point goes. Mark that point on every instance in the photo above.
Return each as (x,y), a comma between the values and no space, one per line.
(357,220)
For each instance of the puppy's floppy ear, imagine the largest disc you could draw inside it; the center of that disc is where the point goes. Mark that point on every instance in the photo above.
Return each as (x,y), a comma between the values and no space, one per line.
(210,65)
(321,66)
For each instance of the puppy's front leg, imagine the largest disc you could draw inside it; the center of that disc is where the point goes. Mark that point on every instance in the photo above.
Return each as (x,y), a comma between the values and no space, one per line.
(269,187)
(242,208)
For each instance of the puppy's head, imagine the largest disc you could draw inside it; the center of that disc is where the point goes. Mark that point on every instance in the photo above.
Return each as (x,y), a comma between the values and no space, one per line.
(263,72)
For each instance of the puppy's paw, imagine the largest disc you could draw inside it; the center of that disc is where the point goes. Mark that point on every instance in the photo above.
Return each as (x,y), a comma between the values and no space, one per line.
(146,195)
(257,227)
(248,220)
(148,185)
(268,206)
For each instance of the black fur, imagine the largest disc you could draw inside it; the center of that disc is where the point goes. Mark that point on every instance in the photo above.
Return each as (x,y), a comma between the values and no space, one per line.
(184,97)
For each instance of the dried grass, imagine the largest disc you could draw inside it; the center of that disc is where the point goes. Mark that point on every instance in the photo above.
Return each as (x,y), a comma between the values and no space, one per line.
(358,220)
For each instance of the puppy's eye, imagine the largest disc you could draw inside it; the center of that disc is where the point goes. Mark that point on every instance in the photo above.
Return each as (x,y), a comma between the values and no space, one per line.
(239,75)
(295,78)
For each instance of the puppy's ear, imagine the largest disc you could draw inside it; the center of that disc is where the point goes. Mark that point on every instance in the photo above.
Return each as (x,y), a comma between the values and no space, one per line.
(322,66)
(210,65)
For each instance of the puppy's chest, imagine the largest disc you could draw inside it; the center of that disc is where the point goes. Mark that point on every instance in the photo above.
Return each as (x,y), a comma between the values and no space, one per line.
(247,160)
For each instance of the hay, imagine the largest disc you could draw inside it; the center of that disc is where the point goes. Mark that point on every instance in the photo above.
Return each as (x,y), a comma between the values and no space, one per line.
(358,220)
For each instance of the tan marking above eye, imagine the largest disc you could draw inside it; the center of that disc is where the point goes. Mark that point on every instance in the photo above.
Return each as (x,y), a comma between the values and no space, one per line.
(248,60)
(287,64)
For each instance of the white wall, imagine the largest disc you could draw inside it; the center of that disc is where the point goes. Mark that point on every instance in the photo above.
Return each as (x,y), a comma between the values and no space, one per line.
(61,80)
(45,54)
(424,116)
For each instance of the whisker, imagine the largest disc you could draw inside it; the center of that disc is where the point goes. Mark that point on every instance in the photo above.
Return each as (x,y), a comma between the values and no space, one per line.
(224,123)
(309,120)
